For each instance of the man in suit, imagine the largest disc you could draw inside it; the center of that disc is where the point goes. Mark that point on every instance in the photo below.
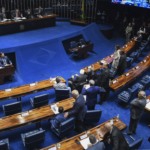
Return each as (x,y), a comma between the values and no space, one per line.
(94,144)
(115,137)
(91,93)
(136,111)
(103,81)
(78,111)
(4,60)
(56,121)
(122,63)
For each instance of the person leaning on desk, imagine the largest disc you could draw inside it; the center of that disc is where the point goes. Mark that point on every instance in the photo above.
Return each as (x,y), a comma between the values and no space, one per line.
(4,60)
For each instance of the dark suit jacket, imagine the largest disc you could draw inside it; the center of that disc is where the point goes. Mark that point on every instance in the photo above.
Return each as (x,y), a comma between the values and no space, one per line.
(91,94)
(55,122)
(117,140)
(122,64)
(97,146)
(103,79)
(79,108)
(137,108)
(80,79)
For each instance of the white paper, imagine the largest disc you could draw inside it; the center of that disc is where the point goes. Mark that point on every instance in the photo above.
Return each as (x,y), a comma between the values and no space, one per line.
(127,74)
(53,148)
(84,97)
(144,60)
(114,81)
(147,105)
(32,84)
(24,114)
(137,67)
(85,143)
(83,136)
(54,108)
(86,86)
(7,90)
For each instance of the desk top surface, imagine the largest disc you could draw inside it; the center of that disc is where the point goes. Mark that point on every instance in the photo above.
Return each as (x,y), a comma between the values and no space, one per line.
(72,144)
(34,115)
(131,74)
(28,88)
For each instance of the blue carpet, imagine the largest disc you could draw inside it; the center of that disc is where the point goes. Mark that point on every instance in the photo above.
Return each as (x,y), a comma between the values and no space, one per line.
(40,55)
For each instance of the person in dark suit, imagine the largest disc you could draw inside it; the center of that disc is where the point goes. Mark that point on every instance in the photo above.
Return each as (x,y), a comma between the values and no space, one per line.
(91,94)
(78,111)
(56,121)
(90,73)
(103,81)
(4,60)
(94,145)
(115,137)
(122,63)
(28,13)
(136,111)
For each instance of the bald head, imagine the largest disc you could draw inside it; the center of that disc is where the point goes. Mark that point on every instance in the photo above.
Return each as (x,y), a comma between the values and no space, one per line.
(141,95)
(75,94)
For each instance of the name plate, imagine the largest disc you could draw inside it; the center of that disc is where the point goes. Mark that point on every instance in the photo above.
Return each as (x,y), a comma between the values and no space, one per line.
(32,84)
(114,81)
(53,148)
(127,74)
(8,90)
(83,136)
(24,114)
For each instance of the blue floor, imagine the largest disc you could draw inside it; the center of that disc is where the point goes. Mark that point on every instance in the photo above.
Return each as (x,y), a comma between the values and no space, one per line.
(40,55)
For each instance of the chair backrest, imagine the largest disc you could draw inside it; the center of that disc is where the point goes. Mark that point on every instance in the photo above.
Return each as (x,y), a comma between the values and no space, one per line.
(66,126)
(34,138)
(4,144)
(12,108)
(62,94)
(73,44)
(40,100)
(92,116)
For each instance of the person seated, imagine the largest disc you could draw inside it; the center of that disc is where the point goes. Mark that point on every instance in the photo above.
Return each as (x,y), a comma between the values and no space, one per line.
(60,85)
(4,60)
(91,91)
(16,14)
(56,121)
(95,144)
(2,14)
(28,14)
(39,12)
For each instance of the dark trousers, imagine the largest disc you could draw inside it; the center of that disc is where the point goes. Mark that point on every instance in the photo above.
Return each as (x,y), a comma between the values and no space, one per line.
(79,126)
(133,125)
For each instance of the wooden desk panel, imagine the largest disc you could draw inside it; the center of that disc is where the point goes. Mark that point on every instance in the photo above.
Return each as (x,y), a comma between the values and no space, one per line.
(107,60)
(132,74)
(6,71)
(27,24)
(27,89)
(71,143)
(34,115)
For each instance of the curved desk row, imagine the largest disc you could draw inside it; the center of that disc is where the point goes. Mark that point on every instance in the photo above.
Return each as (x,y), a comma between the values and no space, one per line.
(17,92)
(131,75)
(13,26)
(34,115)
(107,60)
(74,144)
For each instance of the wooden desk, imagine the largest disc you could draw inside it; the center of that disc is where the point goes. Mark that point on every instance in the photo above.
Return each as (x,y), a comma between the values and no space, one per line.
(6,71)
(71,143)
(27,24)
(81,51)
(107,60)
(148,104)
(27,89)
(34,115)
(131,75)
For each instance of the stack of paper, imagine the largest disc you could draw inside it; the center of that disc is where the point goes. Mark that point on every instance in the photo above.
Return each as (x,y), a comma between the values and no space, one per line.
(54,108)
(85,143)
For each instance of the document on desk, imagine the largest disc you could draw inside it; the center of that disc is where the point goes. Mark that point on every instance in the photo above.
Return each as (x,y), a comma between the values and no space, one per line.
(53,148)
(54,108)
(148,105)
(85,143)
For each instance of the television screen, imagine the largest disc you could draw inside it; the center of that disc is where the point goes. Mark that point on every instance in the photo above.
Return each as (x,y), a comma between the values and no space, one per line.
(138,3)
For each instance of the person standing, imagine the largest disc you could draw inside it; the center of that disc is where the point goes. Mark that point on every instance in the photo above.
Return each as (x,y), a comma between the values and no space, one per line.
(128,32)
(136,111)
(78,111)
